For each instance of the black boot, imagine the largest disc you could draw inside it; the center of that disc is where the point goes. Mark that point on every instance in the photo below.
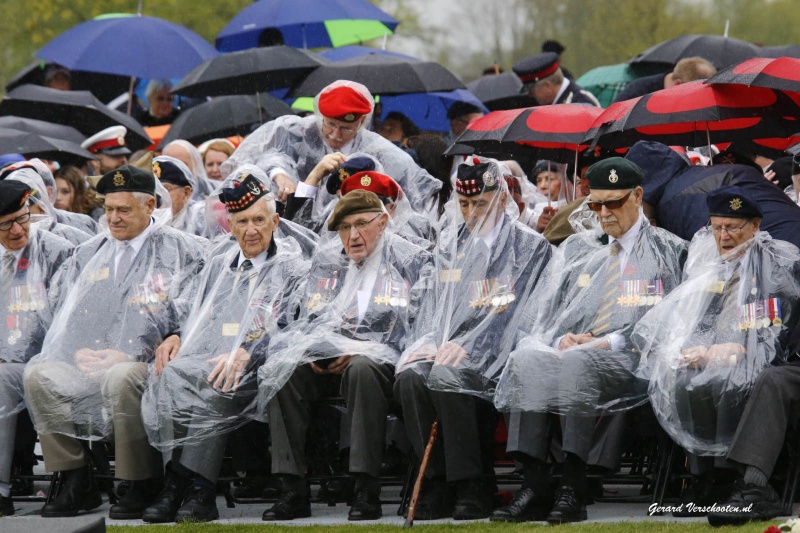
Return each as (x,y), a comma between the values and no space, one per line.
(200,504)
(169,499)
(366,500)
(569,507)
(294,502)
(6,506)
(748,502)
(534,500)
(78,492)
(474,500)
(138,496)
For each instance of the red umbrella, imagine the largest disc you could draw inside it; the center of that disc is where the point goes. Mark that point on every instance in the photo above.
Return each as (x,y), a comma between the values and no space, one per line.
(782,73)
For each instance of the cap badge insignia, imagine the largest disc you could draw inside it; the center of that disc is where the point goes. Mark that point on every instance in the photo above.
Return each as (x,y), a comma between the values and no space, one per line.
(254,188)
(489,179)
(121,140)
(366,181)
(157,170)
(736,204)
(119,179)
(350,117)
(343,174)
(612,177)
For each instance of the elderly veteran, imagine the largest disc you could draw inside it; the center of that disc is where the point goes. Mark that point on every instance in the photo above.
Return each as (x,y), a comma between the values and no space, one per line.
(187,215)
(117,304)
(109,147)
(29,259)
(359,297)
(577,360)
(544,80)
(487,264)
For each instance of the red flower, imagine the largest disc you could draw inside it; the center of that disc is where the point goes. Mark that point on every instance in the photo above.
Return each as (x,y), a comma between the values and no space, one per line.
(22,264)
(773,529)
(630,269)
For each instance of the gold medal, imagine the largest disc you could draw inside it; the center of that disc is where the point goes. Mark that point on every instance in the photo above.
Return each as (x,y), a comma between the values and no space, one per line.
(26,306)
(777,321)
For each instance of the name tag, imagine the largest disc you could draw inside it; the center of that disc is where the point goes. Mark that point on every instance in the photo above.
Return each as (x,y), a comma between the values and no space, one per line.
(230,330)
(583,280)
(450,276)
(99,275)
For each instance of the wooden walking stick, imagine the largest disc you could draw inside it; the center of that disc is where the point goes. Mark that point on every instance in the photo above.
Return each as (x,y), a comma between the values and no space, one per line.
(422,468)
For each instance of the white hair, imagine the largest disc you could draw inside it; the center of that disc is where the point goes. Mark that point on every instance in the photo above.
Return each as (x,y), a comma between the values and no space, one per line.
(142,197)
(154,85)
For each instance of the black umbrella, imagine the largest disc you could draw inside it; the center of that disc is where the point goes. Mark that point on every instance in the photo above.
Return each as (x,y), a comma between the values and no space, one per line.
(249,71)
(720,51)
(33,145)
(79,109)
(105,87)
(501,91)
(787,50)
(381,74)
(225,116)
(40,127)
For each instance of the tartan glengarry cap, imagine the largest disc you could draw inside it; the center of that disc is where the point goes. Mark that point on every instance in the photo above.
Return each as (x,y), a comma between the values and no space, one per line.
(243,194)
(127,178)
(614,173)
(536,67)
(354,202)
(472,180)
(13,196)
(733,202)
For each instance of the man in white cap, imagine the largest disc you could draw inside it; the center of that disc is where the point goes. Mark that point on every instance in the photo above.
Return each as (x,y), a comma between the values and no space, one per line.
(110,149)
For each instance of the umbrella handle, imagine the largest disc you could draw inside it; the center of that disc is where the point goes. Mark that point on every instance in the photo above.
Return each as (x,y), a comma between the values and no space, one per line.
(130,93)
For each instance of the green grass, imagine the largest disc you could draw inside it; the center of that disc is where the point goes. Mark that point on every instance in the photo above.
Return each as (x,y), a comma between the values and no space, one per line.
(617,527)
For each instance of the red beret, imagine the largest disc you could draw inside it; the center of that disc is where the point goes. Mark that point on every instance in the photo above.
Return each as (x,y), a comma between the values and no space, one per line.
(369,180)
(344,103)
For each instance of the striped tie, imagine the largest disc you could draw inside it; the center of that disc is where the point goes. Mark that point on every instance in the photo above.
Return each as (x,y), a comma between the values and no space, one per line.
(730,302)
(610,289)
(7,270)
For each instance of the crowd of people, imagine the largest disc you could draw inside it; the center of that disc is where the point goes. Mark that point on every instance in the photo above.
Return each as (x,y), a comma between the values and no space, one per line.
(176,305)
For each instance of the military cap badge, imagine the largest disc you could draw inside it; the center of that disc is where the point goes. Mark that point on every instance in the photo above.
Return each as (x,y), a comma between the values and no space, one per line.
(119,179)
(736,204)
(612,176)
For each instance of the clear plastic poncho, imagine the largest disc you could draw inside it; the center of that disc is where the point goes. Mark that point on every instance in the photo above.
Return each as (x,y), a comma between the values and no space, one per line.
(704,346)
(485,269)
(205,186)
(105,318)
(588,289)
(191,219)
(231,310)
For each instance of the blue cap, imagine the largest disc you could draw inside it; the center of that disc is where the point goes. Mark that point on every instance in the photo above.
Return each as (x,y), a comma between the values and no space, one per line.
(732,201)
(8,159)
(347,169)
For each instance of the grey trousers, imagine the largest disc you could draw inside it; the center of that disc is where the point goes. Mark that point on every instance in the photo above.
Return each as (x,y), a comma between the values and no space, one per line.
(366,387)
(774,403)
(121,391)
(10,398)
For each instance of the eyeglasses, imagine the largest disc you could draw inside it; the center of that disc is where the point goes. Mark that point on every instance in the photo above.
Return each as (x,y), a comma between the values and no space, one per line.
(22,219)
(730,230)
(609,204)
(360,226)
(331,125)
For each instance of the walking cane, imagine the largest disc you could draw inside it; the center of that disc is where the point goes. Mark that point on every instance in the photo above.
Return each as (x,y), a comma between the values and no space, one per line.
(422,468)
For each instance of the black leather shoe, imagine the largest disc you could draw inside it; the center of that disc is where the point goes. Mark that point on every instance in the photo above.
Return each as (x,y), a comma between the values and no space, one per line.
(526,505)
(200,504)
(6,506)
(748,502)
(168,500)
(568,507)
(138,496)
(291,505)
(366,506)
(78,492)
(436,500)
(474,500)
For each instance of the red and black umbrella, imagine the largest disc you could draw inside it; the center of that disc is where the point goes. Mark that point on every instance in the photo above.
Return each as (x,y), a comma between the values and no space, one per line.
(782,73)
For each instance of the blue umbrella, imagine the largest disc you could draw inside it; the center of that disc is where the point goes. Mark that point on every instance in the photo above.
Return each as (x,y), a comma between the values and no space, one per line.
(346,52)
(129,45)
(305,24)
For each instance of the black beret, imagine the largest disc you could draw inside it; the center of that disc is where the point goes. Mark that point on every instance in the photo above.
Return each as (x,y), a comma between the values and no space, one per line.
(168,172)
(472,180)
(536,67)
(347,169)
(614,173)
(732,201)
(243,194)
(354,202)
(127,178)
(459,109)
(13,196)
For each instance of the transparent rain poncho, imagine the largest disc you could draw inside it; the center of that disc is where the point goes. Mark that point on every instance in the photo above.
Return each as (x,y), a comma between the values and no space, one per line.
(485,268)
(565,189)
(191,218)
(588,290)
(108,315)
(301,139)
(704,346)
(231,311)
(205,186)
(345,309)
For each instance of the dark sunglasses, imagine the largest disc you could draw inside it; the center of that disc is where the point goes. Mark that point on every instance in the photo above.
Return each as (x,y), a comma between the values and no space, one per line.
(610,204)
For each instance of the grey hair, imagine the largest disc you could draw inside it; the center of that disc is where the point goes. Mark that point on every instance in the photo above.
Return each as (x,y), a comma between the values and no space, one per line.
(142,197)
(269,201)
(154,85)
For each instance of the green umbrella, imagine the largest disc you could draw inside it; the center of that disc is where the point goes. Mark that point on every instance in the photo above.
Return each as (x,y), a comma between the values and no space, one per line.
(607,82)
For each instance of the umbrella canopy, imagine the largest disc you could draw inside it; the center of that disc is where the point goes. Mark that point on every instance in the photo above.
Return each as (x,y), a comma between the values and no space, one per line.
(105,87)
(428,110)
(788,50)
(720,51)
(605,83)
(781,73)
(305,24)
(33,145)
(40,127)
(501,91)
(79,109)
(225,116)
(381,75)
(129,45)
(347,52)
(249,71)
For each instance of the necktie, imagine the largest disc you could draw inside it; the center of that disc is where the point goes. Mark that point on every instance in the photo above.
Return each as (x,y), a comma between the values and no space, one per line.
(245,266)
(125,262)
(730,302)
(251,279)
(602,319)
(7,271)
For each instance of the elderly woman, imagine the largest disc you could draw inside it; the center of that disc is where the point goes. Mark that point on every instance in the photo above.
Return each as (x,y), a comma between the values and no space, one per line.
(159,99)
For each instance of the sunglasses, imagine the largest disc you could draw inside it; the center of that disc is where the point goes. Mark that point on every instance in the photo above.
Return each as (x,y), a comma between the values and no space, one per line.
(616,203)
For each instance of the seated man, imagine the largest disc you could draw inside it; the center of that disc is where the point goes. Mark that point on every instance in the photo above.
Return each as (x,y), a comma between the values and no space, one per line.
(187,215)
(487,264)
(205,381)
(578,361)
(117,305)
(355,310)
(29,259)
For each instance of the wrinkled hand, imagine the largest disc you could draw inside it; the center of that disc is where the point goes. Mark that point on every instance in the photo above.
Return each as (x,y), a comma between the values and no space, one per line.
(285,186)
(574,339)
(228,371)
(450,354)
(94,363)
(695,357)
(336,367)
(326,165)
(166,352)
(544,219)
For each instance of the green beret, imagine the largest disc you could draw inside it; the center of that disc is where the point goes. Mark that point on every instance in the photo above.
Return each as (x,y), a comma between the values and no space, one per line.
(127,178)
(614,173)
(357,201)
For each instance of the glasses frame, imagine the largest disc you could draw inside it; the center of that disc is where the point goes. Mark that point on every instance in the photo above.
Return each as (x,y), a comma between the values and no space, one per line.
(730,231)
(346,130)
(611,205)
(22,219)
(360,226)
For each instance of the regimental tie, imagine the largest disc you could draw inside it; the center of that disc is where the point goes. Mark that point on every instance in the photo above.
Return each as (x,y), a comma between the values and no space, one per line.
(730,305)
(244,267)
(7,270)
(125,262)
(610,289)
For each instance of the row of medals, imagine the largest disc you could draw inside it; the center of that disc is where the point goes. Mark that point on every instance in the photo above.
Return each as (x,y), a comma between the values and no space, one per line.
(638,300)
(33,305)
(495,301)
